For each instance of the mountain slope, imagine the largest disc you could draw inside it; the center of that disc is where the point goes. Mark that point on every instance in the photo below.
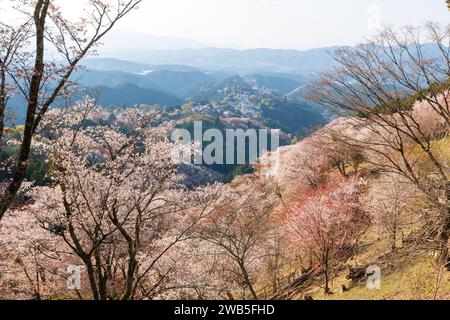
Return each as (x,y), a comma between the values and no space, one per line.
(127,95)
(231,60)
(174,82)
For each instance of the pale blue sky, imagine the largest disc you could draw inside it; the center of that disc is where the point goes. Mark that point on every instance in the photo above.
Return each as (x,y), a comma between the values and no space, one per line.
(279,23)
(295,24)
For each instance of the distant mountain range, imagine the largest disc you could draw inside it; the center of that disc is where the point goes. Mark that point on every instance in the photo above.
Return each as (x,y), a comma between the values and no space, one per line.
(156,50)
(176,83)
(180,71)
(120,83)
(179,81)
(235,61)
(153,50)
(112,64)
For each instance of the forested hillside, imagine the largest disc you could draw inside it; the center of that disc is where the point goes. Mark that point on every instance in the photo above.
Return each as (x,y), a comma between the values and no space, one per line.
(220,174)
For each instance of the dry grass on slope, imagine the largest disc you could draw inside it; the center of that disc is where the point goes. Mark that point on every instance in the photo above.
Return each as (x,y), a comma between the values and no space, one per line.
(403,279)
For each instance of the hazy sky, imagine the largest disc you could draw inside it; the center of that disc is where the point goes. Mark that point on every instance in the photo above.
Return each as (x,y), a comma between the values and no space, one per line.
(295,24)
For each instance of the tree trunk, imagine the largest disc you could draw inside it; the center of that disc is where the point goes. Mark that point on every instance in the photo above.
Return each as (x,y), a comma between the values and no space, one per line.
(130,282)
(341,167)
(445,232)
(327,281)
(2,115)
(92,279)
(443,256)
(247,281)
(102,278)
(394,236)
(2,98)
(7,197)
(326,275)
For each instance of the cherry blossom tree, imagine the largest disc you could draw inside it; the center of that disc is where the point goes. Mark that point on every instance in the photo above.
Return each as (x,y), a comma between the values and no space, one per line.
(393,202)
(308,163)
(385,86)
(12,43)
(327,224)
(238,227)
(33,75)
(201,272)
(338,151)
(115,205)
(302,165)
(32,259)
(278,258)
